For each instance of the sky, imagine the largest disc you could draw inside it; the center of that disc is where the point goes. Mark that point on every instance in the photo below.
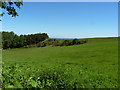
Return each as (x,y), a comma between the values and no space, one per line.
(65,19)
(70,0)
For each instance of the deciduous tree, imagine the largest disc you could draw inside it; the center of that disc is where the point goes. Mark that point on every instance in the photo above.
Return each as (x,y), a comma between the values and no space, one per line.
(10,7)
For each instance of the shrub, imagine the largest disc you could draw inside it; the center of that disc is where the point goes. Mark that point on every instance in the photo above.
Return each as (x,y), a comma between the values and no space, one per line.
(49,42)
(83,41)
(76,42)
(56,43)
(41,44)
(66,43)
(27,46)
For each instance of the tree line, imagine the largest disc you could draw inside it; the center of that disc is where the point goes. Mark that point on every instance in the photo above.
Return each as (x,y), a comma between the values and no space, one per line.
(12,40)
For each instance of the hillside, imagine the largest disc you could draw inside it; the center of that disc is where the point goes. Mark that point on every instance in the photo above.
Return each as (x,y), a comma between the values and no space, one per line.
(91,65)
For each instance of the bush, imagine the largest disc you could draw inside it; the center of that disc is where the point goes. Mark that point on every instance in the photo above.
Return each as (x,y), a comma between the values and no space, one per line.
(41,44)
(76,42)
(56,43)
(83,41)
(26,46)
(66,43)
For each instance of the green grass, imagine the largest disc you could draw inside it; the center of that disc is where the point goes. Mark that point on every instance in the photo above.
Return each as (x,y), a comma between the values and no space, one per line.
(90,65)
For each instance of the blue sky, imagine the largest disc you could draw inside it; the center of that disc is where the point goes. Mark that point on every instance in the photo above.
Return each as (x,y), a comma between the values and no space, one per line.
(65,19)
(71,1)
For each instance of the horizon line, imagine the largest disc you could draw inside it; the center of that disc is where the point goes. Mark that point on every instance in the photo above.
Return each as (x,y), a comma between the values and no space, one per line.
(85,37)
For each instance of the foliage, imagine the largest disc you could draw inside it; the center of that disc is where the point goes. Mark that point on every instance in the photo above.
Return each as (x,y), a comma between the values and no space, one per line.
(49,41)
(36,38)
(75,42)
(66,43)
(83,41)
(41,44)
(56,43)
(11,40)
(14,77)
(10,6)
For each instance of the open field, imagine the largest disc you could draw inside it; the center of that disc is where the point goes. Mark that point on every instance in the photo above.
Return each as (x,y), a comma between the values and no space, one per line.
(90,65)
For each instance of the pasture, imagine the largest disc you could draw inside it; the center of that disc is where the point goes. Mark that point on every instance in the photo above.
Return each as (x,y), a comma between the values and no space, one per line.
(90,65)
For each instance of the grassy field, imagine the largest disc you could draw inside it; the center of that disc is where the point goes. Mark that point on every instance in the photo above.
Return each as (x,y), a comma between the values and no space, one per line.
(90,65)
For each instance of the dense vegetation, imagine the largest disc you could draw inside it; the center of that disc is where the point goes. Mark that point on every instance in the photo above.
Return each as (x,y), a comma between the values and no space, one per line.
(15,77)
(90,65)
(63,42)
(12,40)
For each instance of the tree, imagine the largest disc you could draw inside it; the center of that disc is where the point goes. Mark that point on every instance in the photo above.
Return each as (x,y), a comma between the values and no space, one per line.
(10,6)
(12,40)
(7,39)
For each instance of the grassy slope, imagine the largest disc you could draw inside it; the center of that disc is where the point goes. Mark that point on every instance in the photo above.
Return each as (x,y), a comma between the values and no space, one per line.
(95,60)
